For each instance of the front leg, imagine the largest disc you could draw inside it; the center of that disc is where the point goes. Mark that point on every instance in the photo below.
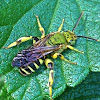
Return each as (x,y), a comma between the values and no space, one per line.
(72,48)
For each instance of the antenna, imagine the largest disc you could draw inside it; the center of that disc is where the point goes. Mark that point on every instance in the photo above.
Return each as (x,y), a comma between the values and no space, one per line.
(89,38)
(77,21)
(83,36)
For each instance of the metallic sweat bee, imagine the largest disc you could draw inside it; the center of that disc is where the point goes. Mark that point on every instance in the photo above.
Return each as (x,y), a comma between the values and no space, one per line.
(55,43)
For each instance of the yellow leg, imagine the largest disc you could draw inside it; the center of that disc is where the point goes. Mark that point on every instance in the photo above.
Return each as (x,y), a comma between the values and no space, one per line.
(72,48)
(62,57)
(50,65)
(40,28)
(59,29)
(20,40)
(51,79)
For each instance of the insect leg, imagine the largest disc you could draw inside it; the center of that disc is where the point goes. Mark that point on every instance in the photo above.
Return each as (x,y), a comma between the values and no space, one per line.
(35,39)
(20,40)
(62,57)
(59,29)
(50,65)
(40,28)
(72,48)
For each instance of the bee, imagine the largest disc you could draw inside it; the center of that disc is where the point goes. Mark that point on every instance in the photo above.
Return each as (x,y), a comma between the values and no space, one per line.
(55,43)
(30,59)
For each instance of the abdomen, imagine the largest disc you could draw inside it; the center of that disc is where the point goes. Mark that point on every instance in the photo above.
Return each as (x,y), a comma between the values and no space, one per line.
(27,70)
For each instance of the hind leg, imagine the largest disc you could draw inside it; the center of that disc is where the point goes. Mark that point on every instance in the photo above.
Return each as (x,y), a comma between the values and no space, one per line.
(50,65)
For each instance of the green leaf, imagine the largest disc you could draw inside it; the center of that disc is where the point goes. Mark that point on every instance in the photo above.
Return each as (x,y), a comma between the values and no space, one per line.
(87,90)
(17,19)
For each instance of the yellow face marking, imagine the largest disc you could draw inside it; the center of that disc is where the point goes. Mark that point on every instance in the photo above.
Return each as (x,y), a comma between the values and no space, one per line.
(30,68)
(36,66)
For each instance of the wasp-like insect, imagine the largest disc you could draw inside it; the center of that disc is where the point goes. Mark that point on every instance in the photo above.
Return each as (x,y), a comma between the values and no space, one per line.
(55,43)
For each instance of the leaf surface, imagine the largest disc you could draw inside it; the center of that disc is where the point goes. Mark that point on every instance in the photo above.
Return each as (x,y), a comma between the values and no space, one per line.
(17,19)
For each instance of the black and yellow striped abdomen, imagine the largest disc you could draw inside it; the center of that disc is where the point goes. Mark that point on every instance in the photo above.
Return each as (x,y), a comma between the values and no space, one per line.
(27,70)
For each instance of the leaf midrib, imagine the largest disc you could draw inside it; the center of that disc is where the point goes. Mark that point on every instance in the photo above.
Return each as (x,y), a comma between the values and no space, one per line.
(20,18)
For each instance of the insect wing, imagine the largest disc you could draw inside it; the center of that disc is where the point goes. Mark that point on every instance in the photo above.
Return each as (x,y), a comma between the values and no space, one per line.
(41,42)
(28,56)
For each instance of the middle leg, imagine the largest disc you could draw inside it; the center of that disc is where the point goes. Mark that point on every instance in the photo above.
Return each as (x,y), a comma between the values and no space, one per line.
(40,28)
